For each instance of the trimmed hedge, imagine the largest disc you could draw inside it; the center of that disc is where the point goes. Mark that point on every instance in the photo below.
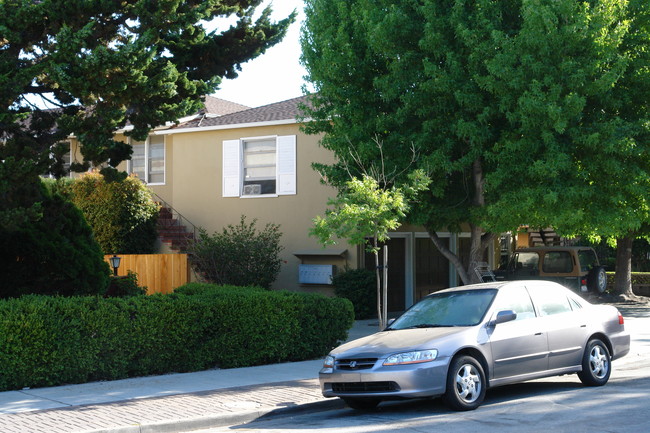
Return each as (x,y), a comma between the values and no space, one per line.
(47,341)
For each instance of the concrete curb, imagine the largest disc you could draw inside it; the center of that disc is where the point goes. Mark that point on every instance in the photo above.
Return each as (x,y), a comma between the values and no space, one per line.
(221,420)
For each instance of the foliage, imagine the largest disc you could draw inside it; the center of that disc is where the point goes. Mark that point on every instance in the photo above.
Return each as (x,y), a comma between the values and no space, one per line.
(46,341)
(122,214)
(102,65)
(239,255)
(363,210)
(53,254)
(364,213)
(520,111)
(126,286)
(357,285)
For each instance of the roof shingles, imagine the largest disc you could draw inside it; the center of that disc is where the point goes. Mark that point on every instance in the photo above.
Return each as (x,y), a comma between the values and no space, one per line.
(284,110)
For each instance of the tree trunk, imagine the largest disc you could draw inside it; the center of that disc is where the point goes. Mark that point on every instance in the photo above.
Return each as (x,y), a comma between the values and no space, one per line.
(479,241)
(623,278)
(380,318)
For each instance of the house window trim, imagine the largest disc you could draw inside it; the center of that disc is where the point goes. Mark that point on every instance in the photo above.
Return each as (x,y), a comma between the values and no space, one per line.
(147,143)
(233,166)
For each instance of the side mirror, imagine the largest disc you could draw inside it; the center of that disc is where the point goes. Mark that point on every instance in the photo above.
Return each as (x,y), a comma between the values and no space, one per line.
(503,317)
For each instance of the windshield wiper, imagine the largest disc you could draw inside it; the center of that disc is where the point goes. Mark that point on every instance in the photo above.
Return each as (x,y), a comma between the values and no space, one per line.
(427,325)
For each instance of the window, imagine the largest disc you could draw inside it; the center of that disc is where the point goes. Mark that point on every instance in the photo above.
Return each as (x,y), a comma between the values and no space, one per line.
(557,262)
(259,166)
(550,301)
(148,159)
(588,260)
(516,299)
(527,261)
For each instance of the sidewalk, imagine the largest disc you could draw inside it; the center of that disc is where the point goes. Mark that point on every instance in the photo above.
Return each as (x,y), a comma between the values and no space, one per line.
(170,403)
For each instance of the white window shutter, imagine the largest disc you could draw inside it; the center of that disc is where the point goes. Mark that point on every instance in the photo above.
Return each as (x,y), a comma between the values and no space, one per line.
(286,165)
(231,168)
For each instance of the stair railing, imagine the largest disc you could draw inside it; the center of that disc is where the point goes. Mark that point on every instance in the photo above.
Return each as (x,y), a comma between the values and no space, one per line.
(178,217)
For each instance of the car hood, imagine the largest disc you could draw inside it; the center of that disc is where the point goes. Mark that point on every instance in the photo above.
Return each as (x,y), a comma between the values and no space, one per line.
(387,342)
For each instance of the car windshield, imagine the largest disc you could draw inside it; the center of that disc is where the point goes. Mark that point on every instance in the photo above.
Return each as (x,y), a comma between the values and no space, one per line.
(458,308)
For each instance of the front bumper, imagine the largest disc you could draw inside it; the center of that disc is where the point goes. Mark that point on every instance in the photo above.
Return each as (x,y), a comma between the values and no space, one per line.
(386,382)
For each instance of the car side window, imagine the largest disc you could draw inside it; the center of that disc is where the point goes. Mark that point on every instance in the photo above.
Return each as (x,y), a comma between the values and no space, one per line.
(557,262)
(527,261)
(516,299)
(549,301)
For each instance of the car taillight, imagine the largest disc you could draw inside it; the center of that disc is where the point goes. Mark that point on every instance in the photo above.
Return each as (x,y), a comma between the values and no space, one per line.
(583,285)
(621,321)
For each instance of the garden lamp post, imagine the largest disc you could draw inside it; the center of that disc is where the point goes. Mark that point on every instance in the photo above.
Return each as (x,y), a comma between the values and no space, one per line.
(115,263)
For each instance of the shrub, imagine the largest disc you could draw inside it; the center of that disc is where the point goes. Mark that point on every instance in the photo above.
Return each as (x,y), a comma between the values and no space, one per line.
(360,287)
(122,213)
(125,286)
(46,341)
(239,255)
(54,254)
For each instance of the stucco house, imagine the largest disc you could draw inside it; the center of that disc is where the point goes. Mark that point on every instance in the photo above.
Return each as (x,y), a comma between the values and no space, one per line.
(233,160)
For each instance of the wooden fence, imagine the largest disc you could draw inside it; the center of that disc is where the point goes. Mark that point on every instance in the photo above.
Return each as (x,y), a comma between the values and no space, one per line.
(160,273)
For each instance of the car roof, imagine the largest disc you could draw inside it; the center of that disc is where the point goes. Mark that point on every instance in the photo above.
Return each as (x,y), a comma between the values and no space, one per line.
(556,248)
(501,284)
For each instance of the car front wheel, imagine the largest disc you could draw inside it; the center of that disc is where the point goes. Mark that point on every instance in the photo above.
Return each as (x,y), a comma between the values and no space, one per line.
(465,384)
(596,364)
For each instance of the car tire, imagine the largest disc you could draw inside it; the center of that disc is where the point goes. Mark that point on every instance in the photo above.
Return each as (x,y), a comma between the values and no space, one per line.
(597,280)
(596,364)
(466,384)
(362,403)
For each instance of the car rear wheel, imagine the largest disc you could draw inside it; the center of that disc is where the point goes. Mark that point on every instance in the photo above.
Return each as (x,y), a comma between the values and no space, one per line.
(465,384)
(596,364)
(362,403)
(597,280)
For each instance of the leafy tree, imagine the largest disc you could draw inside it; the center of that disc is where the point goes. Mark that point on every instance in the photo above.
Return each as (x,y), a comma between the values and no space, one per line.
(520,111)
(240,255)
(122,214)
(100,65)
(103,64)
(56,254)
(364,214)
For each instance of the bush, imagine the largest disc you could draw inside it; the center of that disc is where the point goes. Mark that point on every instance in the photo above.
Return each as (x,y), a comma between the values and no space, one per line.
(46,341)
(122,213)
(360,287)
(54,254)
(239,255)
(125,286)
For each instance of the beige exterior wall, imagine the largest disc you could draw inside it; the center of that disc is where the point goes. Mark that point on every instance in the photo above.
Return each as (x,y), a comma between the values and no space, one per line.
(193,187)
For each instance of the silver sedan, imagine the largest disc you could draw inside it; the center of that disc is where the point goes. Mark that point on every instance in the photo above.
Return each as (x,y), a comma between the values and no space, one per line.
(458,342)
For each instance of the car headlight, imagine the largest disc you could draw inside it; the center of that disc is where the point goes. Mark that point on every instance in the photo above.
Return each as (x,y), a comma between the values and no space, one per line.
(328,362)
(415,357)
